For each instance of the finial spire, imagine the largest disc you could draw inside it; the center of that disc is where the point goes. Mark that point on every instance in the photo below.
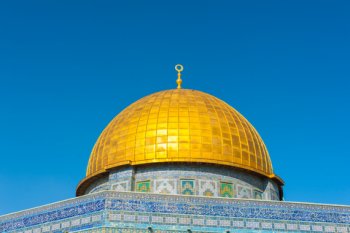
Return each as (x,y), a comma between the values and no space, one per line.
(179,68)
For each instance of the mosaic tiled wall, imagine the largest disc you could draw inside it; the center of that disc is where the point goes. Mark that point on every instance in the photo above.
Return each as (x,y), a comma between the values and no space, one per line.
(121,180)
(110,211)
(200,180)
(100,185)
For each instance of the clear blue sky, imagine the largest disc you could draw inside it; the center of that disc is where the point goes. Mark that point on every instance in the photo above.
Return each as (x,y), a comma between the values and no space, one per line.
(68,67)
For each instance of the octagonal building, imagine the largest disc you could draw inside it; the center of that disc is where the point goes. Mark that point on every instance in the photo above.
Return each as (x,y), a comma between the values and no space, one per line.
(174,161)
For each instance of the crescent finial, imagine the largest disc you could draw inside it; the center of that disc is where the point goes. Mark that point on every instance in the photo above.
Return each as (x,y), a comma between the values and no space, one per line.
(179,68)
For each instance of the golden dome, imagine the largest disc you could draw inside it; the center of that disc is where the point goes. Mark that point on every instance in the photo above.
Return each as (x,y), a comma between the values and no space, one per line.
(179,125)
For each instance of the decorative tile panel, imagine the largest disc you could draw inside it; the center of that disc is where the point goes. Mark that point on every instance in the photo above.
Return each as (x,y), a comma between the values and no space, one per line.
(238,224)
(129,218)
(253,225)
(184,221)
(304,227)
(342,229)
(226,189)
(207,188)
(292,227)
(165,186)
(143,186)
(266,225)
(224,223)
(329,229)
(198,221)
(171,220)
(188,187)
(212,222)
(157,219)
(96,218)
(115,217)
(120,186)
(279,226)
(56,227)
(317,228)
(143,218)
(86,220)
(45,229)
(244,192)
(76,222)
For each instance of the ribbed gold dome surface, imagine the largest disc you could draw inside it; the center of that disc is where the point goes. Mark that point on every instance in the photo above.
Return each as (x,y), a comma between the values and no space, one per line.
(179,125)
